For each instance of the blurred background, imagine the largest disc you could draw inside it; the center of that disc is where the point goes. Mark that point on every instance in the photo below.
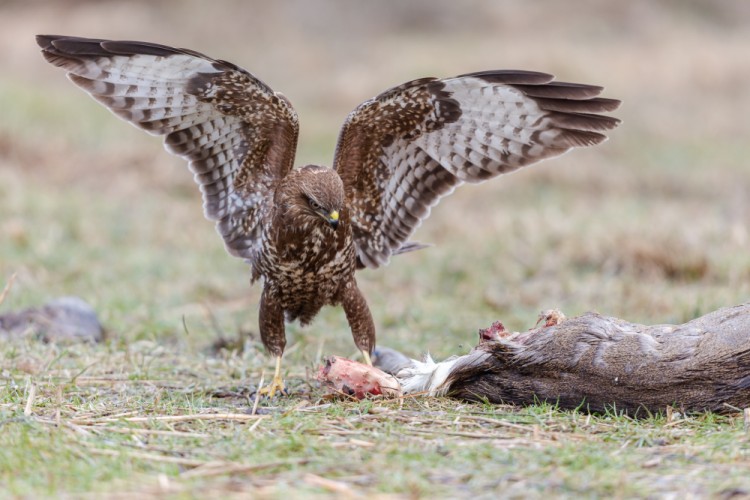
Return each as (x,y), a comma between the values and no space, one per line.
(652,226)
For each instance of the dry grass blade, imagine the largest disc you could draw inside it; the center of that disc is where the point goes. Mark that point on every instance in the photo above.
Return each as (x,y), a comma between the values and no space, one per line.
(170,384)
(497,422)
(257,394)
(58,405)
(186,462)
(336,432)
(175,418)
(30,399)
(150,432)
(329,484)
(92,419)
(474,435)
(361,443)
(534,430)
(7,288)
(255,425)
(75,428)
(354,443)
(212,469)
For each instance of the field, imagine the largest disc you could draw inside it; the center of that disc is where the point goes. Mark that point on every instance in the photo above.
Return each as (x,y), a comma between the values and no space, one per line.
(652,226)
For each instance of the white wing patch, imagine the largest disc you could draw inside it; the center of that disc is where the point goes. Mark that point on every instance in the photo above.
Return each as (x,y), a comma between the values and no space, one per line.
(427,137)
(217,116)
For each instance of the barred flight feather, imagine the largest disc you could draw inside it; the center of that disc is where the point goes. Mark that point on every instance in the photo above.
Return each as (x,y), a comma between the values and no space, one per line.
(426,137)
(173,92)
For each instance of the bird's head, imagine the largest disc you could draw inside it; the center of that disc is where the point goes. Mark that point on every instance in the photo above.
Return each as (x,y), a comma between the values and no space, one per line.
(315,196)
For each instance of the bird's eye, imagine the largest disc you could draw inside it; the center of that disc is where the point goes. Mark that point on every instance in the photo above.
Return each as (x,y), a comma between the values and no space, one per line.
(315,205)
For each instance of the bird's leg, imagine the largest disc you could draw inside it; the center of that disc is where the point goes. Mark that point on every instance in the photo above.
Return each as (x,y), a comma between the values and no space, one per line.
(272,334)
(359,318)
(366,355)
(277,384)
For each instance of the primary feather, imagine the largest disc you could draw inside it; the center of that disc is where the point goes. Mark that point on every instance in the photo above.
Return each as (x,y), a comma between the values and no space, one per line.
(238,136)
(402,151)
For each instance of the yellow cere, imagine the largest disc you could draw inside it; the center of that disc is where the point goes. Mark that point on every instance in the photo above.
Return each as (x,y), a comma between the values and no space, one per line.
(334,215)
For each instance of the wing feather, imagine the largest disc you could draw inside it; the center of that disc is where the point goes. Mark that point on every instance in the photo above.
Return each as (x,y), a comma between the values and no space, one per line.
(238,136)
(402,151)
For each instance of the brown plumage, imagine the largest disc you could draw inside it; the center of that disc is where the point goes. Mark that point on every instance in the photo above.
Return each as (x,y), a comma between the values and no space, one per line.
(598,363)
(305,231)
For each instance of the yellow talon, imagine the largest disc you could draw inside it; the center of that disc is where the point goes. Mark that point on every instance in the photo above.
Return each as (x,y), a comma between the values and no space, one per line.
(366,355)
(277,384)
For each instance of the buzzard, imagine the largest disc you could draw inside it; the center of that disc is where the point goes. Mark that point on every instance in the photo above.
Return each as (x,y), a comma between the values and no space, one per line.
(306,231)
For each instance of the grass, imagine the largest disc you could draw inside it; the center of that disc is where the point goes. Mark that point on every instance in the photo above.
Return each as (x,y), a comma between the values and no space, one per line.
(128,424)
(651,227)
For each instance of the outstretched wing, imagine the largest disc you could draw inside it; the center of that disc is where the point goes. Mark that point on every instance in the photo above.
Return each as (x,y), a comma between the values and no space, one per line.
(403,150)
(237,134)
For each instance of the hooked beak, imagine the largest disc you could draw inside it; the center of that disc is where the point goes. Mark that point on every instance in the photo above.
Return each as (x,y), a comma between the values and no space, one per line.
(333,219)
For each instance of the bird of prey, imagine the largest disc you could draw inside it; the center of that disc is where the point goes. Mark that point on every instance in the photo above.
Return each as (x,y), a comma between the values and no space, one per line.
(306,231)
